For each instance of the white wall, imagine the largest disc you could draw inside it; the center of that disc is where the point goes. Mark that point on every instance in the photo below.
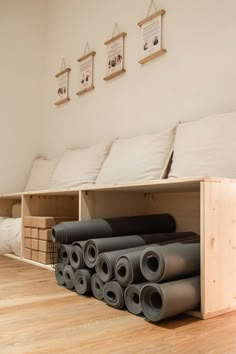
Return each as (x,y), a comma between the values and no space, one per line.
(196,77)
(22,40)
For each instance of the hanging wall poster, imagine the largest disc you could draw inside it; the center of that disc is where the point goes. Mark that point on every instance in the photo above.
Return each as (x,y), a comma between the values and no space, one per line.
(62,86)
(86,73)
(151,37)
(115,56)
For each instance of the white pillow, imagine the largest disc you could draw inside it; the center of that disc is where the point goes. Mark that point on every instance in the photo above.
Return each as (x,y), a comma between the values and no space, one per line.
(137,158)
(206,147)
(40,174)
(79,166)
(15,235)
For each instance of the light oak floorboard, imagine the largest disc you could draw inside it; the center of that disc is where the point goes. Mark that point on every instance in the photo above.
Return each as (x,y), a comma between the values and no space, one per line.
(38,316)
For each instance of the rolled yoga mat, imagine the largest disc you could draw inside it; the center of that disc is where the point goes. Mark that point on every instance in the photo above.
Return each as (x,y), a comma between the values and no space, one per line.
(64,254)
(94,247)
(106,262)
(59,274)
(132,298)
(69,277)
(160,301)
(71,231)
(127,267)
(76,257)
(114,294)
(174,261)
(97,286)
(82,281)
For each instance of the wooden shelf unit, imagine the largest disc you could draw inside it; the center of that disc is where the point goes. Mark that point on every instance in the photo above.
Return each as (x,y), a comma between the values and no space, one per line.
(205,205)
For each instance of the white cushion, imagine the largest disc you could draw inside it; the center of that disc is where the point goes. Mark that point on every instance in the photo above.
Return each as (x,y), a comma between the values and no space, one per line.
(40,174)
(137,158)
(206,147)
(15,235)
(79,166)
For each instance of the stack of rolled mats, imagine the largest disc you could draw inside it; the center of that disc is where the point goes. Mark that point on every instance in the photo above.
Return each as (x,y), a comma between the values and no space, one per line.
(137,262)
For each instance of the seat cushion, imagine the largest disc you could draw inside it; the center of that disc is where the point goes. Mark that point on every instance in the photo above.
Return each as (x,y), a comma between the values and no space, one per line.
(206,147)
(138,158)
(79,166)
(40,174)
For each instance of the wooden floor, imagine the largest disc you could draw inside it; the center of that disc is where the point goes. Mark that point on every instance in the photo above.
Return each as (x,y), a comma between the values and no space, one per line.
(37,316)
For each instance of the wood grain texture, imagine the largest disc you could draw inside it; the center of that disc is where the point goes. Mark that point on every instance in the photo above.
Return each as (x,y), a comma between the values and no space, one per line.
(37,316)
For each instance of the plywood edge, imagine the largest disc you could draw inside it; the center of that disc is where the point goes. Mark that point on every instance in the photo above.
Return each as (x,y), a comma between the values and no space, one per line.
(11,196)
(209,315)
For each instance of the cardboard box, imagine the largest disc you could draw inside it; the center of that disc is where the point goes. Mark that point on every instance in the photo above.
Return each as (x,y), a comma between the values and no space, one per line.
(34,256)
(27,232)
(34,244)
(44,222)
(45,234)
(27,242)
(47,246)
(27,253)
(47,258)
(35,234)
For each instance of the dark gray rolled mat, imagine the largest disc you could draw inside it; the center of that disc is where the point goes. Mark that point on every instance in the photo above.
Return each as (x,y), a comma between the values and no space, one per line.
(69,277)
(71,231)
(114,294)
(94,247)
(174,261)
(127,267)
(132,298)
(64,254)
(106,262)
(97,286)
(160,301)
(82,281)
(76,257)
(59,274)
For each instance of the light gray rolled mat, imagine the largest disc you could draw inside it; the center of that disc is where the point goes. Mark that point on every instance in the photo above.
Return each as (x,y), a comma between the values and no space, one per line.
(59,274)
(69,277)
(174,261)
(160,301)
(76,257)
(97,286)
(96,246)
(64,254)
(82,281)
(106,262)
(114,294)
(132,298)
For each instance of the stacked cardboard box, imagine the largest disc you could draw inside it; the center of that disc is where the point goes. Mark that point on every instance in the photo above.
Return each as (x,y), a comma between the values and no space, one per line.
(38,245)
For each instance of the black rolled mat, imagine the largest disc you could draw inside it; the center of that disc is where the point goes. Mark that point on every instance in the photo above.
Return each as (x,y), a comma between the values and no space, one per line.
(94,247)
(71,231)
(76,257)
(82,281)
(174,261)
(160,301)
(132,298)
(59,274)
(114,294)
(64,254)
(106,262)
(97,286)
(127,269)
(69,277)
